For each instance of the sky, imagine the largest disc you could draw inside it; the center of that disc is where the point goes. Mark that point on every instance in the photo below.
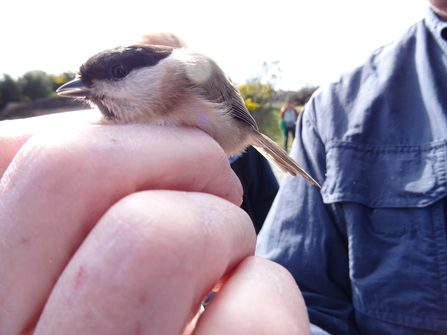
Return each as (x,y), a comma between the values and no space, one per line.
(313,40)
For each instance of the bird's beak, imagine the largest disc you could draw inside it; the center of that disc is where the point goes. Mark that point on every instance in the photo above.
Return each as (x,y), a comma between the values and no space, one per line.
(74,89)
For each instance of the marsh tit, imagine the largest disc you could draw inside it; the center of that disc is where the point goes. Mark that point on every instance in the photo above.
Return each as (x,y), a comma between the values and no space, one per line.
(170,86)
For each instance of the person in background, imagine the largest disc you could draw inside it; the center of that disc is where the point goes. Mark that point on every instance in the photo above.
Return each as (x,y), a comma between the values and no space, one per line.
(369,249)
(282,128)
(289,115)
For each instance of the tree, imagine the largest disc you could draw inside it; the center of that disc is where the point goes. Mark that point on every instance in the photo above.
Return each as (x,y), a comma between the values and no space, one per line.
(9,91)
(59,80)
(257,99)
(31,86)
(301,96)
(36,84)
(251,106)
(257,92)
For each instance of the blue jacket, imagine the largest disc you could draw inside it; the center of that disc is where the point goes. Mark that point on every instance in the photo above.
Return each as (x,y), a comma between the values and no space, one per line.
(369,250)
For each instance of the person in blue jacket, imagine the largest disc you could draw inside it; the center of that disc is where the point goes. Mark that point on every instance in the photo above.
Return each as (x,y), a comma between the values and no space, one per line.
(369,250)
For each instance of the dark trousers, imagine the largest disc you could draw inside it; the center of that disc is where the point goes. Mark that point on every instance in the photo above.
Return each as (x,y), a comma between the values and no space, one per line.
(286,141)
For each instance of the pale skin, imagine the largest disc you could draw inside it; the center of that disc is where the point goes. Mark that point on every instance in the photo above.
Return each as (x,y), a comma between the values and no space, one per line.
(124,229)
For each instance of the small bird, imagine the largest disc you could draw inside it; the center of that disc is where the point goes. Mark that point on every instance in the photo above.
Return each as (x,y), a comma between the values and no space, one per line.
(171,86)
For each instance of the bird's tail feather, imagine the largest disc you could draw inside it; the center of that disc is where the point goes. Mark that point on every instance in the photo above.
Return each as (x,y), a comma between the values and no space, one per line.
(274,153)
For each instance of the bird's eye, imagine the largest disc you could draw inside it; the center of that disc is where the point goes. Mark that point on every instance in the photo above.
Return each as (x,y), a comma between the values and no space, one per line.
(119,71)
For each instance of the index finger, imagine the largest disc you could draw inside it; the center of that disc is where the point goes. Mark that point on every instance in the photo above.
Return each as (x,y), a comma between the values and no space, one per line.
(14,133)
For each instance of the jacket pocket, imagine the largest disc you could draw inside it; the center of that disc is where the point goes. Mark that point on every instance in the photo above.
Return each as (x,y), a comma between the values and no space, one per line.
(385,176)
(392,202)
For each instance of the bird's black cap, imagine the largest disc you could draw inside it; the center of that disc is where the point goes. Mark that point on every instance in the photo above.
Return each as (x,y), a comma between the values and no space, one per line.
(113,64)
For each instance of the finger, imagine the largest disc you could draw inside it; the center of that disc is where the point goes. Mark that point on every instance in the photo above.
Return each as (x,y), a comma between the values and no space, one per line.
(163,149)
(260,297)
(14,133)
(147,265)
(60,184)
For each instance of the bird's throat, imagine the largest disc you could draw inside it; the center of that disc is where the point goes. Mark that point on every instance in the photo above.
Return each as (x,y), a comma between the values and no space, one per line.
(108,114)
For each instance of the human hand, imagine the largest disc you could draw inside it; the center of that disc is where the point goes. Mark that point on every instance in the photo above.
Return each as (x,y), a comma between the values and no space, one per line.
(125,229)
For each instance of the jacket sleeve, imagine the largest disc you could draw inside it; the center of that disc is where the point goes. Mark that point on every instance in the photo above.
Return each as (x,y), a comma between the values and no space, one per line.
(305,236)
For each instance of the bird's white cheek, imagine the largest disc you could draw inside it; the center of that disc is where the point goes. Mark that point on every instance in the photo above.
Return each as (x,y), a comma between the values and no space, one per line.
(125,90)
(129,99)
(145,95)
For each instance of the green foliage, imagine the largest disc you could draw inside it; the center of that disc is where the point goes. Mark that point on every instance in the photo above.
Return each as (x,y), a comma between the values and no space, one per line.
(59,80)
(36,84)
(270,125)
(257,92)
(258,97)
(257,100)
(9,90)
(31,86)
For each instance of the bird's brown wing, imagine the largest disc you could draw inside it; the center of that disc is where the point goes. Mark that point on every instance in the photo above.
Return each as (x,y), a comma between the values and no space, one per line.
(220,90)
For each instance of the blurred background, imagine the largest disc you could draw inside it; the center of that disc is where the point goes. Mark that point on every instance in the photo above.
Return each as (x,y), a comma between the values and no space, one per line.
(271,50)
